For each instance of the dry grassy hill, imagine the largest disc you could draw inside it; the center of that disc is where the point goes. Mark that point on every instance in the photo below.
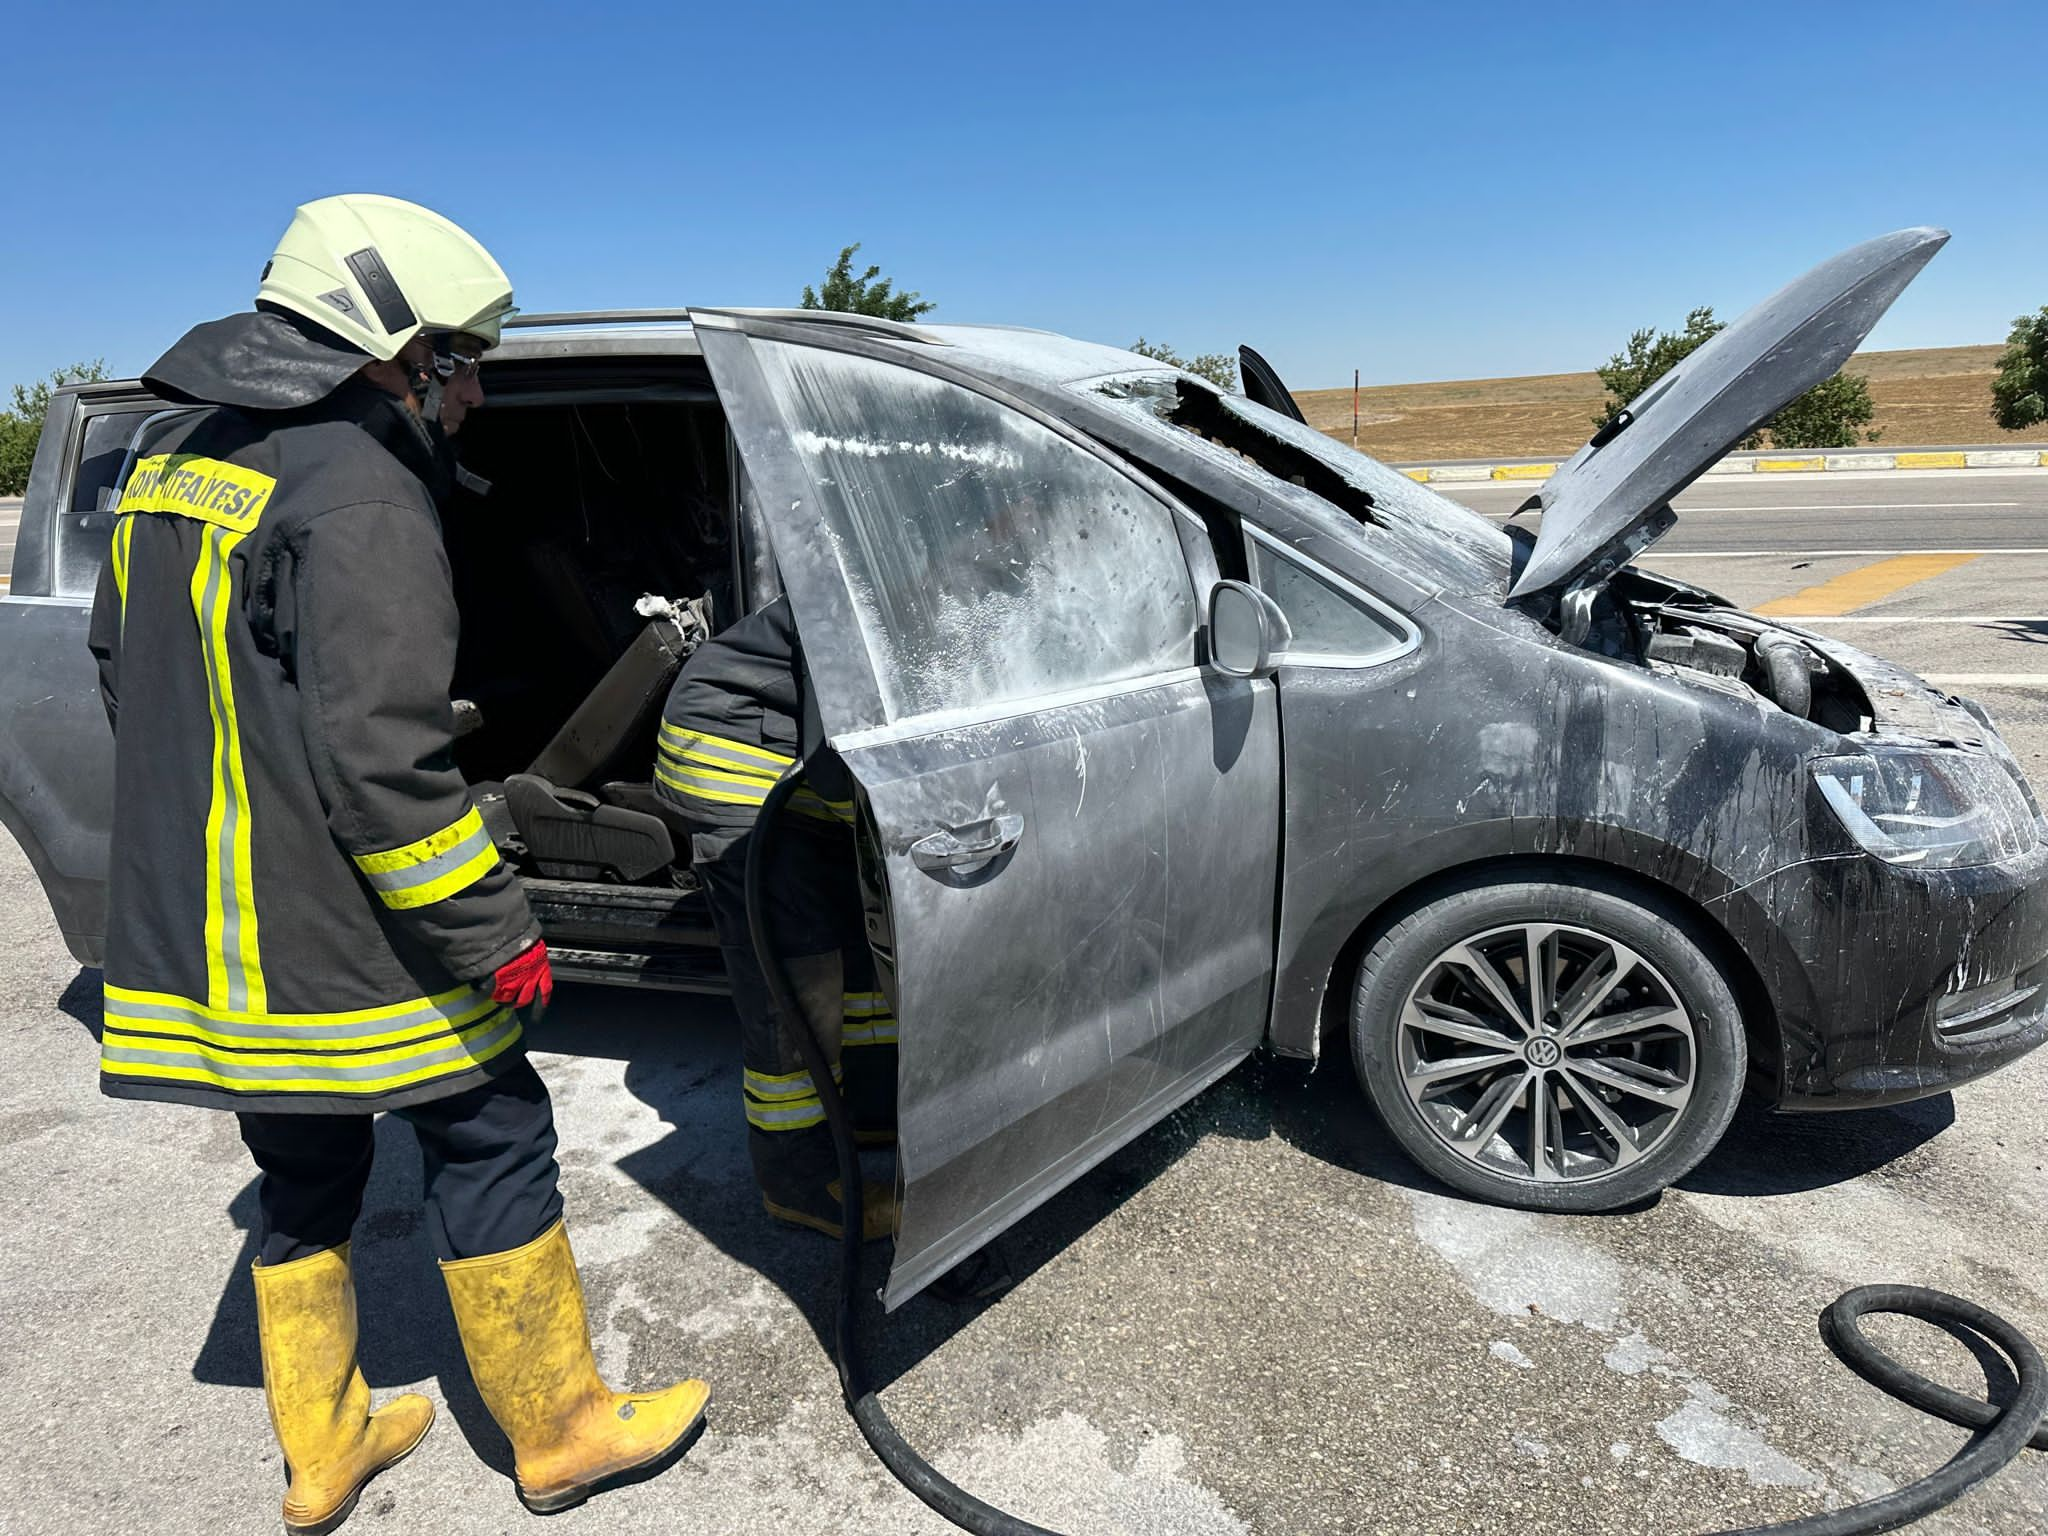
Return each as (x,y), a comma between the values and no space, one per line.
(1933,395)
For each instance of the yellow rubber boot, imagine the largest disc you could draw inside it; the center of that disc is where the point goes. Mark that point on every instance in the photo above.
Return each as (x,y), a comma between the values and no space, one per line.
(319,1403)
(528,1343)
(819,1210)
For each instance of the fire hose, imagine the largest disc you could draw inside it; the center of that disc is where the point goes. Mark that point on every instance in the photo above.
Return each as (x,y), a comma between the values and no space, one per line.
(2002,1433)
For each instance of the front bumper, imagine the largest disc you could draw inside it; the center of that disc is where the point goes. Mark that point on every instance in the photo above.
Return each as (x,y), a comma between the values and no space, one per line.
(1892,983)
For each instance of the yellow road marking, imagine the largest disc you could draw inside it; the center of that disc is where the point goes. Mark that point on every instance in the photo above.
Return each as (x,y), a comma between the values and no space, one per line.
(1524,471)
(1423,474)
(1790,466)
(1931,461)
(1864,585)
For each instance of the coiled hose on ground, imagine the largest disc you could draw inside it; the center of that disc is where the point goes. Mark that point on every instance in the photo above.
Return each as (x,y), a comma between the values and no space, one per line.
(2002,1433)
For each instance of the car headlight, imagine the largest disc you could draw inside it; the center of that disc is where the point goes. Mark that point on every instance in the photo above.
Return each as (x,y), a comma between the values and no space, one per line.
(1932,807)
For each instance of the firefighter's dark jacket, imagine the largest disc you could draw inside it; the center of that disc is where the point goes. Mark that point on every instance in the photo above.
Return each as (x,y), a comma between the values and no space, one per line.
(304,907)
(733,725)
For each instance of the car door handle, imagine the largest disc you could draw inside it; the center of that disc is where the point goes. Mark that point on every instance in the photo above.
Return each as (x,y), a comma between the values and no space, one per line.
(974,843)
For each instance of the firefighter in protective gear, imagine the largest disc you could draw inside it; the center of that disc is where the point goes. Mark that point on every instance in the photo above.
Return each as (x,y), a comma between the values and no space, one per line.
(308,922)
(729,730)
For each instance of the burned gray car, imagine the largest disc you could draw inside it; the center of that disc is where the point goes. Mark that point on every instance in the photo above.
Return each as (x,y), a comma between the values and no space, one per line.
(1180,729)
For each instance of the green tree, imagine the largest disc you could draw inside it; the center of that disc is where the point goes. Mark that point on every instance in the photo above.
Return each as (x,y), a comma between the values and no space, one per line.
(22,427)
(1832,414)
(1650,355)
(863,295)
(2019,395)
(1219,368)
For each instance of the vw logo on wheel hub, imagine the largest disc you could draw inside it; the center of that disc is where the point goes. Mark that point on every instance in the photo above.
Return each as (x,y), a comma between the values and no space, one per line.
(1543,1052)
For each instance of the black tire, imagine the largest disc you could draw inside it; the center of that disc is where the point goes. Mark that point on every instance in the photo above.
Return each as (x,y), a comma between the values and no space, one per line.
(1579,1099)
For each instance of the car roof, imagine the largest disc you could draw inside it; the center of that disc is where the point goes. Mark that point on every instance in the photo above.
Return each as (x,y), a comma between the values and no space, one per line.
(1005,354)
(1011,354)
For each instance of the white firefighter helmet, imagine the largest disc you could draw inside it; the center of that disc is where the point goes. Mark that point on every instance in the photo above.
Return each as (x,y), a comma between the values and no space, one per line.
(377,271)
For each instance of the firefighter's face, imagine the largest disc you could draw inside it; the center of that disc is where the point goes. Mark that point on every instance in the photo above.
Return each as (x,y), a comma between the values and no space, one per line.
(457,362)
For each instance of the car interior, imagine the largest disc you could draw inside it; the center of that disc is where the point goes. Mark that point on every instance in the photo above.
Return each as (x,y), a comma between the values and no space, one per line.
(591,550)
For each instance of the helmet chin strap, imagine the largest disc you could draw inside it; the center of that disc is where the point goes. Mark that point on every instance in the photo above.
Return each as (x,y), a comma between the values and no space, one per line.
(426,388)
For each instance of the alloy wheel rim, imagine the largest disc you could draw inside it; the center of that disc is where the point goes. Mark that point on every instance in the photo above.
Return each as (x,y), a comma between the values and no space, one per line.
(1547,1053)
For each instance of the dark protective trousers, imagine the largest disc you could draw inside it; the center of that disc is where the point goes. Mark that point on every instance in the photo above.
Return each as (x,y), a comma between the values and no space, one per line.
(488,1155)
(814,915)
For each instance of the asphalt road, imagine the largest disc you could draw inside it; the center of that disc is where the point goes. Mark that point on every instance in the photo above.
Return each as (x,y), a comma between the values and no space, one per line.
(1899,509)
(1258,1318)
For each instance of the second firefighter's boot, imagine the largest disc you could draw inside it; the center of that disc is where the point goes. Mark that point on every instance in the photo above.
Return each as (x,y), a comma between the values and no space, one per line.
(798,1174)
(528,1342)
(319,1403)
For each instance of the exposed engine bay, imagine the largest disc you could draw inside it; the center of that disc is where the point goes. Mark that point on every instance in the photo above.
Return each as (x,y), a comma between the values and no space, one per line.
(1669,624)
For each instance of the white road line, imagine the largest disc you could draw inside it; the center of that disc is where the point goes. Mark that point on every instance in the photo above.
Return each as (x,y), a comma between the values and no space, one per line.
(1855,506)
(1990,679)
(1897,478)
(1913,618)
(1837,506)
(1660,558)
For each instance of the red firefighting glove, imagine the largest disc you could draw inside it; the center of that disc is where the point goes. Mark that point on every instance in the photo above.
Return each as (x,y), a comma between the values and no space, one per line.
(526,981)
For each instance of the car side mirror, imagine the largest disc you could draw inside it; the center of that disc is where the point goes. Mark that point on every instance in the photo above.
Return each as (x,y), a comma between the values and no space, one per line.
(1246,629)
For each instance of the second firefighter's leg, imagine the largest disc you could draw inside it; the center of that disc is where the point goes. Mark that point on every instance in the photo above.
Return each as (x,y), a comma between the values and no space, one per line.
(314,1169)
(788,1142)
(868,1049)
(495,1217)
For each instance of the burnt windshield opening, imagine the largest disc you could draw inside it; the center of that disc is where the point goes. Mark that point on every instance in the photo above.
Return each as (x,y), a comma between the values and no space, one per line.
(1203,414)
(1308,480)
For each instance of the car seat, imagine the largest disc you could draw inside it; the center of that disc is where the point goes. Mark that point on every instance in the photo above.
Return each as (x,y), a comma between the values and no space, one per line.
(584,809)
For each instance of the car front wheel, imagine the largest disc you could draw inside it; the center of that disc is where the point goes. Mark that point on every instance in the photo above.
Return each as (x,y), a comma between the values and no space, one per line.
(1558,1044)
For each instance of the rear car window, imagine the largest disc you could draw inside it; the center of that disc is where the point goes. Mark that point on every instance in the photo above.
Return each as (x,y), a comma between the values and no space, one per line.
(84,525)
(989,558)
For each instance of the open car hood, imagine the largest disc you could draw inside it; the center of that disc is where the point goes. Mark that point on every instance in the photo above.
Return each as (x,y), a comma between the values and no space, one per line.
(1612,499)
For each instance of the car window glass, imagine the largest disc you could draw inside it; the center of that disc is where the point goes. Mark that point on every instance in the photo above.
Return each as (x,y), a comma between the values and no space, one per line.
(1327,621)
(83,528)
(989,558)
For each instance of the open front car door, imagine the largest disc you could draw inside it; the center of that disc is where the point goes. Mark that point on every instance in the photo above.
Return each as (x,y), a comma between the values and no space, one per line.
(1073,824)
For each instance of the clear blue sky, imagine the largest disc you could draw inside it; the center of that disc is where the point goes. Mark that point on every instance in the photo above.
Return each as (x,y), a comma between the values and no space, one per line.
(1420,191)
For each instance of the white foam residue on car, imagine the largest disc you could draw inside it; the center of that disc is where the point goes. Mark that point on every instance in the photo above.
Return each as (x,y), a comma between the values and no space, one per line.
(983,455)
(990,558)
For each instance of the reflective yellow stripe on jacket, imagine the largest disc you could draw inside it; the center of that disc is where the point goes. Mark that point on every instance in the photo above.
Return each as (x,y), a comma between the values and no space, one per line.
(228,499)
(234,966)
(124,540)
(700,766)
(434,868)
(367,1051)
